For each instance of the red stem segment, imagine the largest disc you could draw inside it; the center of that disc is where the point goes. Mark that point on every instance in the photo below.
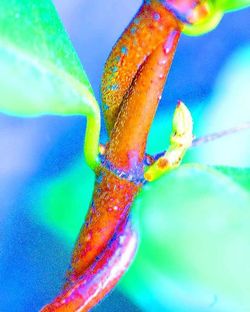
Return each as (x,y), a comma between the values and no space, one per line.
(101,276)
(128,138)
(98,252)
(149,28)
(113,196)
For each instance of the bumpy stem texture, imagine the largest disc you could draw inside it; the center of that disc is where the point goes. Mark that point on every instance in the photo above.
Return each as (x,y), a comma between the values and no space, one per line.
(133,81)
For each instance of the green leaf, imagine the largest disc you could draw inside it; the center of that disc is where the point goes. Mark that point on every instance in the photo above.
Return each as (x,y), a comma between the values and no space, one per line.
(218,8)
(232,5)
(219,112)
(62,202)
(239,175)
(40,71)
(194,249)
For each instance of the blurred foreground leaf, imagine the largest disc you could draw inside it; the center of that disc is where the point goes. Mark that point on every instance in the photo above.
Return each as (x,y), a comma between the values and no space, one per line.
(231,5)
(63,202)
(39,70)
(194,253)
(238,175)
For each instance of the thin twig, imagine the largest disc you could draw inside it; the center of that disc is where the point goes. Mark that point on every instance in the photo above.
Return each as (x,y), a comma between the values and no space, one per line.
(218,135)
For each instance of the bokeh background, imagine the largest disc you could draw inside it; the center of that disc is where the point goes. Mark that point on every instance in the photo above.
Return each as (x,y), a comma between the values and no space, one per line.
(42,171)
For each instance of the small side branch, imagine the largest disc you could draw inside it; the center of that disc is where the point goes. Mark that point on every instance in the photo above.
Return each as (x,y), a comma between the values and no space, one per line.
(218,135)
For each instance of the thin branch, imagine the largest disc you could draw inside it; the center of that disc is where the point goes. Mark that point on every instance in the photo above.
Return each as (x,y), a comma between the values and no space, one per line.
(218,135)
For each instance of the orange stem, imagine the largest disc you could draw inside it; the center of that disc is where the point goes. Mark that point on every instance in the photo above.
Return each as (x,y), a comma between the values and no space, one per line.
(119,178)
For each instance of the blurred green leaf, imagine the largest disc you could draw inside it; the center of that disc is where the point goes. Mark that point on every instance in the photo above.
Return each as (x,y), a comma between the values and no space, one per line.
(219,112)
(218,8)
(238,175)
(231,5)
(39,70)
(194,252)
(62,203)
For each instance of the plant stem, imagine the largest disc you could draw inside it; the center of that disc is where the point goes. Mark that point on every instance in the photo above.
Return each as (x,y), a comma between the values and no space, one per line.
(113,196)
(118,179)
